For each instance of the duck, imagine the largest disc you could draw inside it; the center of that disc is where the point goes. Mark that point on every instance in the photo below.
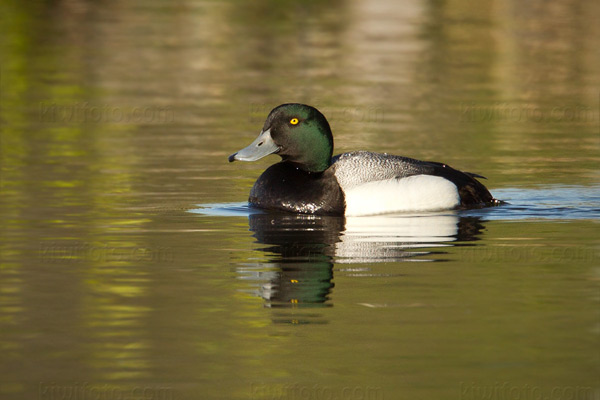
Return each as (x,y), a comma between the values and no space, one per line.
(310,180)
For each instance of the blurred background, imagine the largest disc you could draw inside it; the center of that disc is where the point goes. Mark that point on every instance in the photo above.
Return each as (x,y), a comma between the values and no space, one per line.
(117,118)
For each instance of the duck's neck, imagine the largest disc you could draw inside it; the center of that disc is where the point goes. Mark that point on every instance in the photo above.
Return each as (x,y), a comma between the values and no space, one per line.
(311,168)
(315,151)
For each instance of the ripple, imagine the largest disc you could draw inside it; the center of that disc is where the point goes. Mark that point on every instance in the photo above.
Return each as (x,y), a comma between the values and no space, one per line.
(241,209)
(545,202)
(555,202)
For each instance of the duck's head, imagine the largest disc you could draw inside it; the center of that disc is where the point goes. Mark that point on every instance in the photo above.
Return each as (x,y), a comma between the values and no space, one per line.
(298,133)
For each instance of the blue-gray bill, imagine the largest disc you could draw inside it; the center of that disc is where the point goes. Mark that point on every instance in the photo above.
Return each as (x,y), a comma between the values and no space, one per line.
(262,146)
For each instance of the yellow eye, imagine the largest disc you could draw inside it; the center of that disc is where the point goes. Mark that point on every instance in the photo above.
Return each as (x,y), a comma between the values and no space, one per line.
(294,121)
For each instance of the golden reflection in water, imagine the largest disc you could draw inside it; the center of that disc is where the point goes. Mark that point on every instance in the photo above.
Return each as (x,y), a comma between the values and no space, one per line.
(117,116)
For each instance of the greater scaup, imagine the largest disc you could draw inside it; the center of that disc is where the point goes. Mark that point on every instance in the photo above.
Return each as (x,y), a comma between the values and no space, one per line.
(309,180)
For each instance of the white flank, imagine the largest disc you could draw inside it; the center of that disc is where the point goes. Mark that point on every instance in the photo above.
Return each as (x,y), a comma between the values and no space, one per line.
(414,193)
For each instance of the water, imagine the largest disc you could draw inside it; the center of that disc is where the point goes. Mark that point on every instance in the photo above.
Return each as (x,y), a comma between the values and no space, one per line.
(301,250)
(131,266)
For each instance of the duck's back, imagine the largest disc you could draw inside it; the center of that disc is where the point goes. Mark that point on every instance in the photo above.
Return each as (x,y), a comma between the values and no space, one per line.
(378,183)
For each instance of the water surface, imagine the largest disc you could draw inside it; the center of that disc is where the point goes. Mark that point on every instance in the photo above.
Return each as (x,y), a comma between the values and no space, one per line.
(131,267)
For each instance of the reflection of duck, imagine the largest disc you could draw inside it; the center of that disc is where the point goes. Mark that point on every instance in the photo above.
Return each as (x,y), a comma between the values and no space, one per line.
(310,181)
(303,248)
(401,237)
(300,246)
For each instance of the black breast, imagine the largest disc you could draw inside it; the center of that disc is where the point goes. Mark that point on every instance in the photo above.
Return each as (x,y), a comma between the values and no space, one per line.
(284,187)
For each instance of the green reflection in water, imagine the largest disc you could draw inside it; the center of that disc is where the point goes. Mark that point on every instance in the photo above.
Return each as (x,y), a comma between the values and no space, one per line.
(115,120)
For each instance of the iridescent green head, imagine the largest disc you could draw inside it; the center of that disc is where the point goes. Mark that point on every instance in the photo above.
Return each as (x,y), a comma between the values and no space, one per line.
(298,133)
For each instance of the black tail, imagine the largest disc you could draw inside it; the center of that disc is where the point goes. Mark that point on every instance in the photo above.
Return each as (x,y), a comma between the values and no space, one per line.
(472,192)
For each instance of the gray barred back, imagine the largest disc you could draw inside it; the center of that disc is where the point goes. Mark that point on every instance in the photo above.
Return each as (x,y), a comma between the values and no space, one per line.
(359,167)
